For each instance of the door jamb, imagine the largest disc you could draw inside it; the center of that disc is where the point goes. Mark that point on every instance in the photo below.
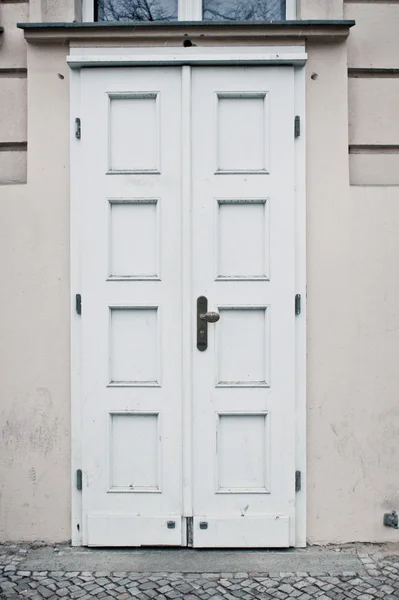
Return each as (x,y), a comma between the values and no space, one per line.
(81,57)
(75,288)
(300,287)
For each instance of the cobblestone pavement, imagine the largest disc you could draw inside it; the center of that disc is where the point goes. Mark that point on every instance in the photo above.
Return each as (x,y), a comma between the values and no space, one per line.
(378,580)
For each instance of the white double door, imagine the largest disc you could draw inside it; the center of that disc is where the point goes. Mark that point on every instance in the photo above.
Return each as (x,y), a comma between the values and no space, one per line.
(187,193)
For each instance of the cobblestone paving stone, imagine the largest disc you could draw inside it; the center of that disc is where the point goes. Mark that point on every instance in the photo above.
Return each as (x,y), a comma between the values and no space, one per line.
(379,581)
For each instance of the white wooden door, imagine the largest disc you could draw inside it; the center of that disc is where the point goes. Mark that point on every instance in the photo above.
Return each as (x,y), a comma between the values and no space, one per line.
(131,306)
(140,486)
(243,263)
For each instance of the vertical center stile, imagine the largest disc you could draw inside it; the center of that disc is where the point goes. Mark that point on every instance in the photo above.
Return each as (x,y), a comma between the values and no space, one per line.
(187,309)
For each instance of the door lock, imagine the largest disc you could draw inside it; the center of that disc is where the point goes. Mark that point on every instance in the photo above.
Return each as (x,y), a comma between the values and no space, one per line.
(203,318)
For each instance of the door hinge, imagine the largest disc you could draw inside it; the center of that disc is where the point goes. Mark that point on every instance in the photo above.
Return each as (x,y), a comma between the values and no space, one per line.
(298,481)
(190,531)
(78,130)
(298,304)
(79,480)
(79,304)
(297,126)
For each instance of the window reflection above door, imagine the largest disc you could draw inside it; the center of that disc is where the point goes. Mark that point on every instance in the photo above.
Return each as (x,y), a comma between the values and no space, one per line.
(137,10)
(172,10)
(243,10)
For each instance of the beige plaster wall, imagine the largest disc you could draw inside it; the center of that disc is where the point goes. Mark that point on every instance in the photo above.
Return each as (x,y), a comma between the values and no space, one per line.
(378,167)
(353,326)
(373,43)
(13,109)
(353,376)
(13,74)
(34,319)
(319,9)
(373,111)
(353,317)
(47,11)
(12,43)
(353,379)
(353,249)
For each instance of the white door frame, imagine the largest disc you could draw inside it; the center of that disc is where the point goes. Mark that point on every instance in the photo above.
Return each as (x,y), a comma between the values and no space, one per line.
(112,57)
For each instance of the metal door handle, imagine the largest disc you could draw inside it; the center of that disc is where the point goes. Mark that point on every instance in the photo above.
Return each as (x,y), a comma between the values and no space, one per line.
(210,317)
(203,318)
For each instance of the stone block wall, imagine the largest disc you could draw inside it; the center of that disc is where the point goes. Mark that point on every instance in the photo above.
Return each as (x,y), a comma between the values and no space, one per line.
(373,69)
(13,93)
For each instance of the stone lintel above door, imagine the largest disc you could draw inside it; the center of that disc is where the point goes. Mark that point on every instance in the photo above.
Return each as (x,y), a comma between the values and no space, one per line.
(177,33)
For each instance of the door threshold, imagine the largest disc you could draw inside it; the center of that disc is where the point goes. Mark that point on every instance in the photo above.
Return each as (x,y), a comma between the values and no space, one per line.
(191,560)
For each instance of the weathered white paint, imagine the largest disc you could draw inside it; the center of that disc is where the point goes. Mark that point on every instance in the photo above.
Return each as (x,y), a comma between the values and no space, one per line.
(301,325)
(353,341)
(131,318)
(84,57)
(245,532)
(243,262)
(75,248)
(187,338)
(263,90)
